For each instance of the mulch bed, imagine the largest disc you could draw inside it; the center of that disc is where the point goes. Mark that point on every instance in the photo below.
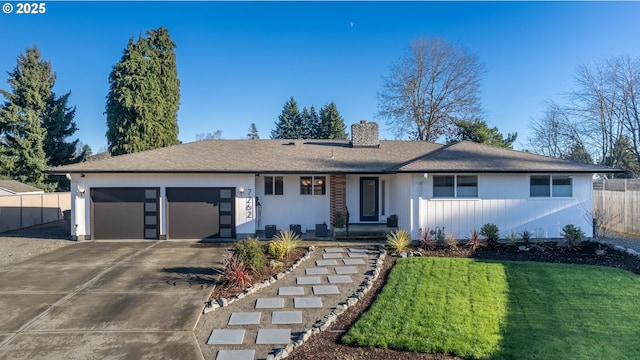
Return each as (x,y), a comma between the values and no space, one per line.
(222,291)
(327,345)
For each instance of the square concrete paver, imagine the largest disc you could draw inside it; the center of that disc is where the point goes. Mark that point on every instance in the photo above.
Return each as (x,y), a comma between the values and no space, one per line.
(354,262)
(290,290)
(340,279)
(286,317)
(332,256)
(317,271)
(269,303)
(333,250)
(342,270)
(326,290)
(358,255)
(358,250)
(273,336)
(308,302)
(307,280)
(224,336)
(245,318)
(326,262)
(236,355)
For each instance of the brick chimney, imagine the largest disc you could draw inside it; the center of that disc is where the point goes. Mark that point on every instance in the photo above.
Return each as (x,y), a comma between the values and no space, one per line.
(365,134)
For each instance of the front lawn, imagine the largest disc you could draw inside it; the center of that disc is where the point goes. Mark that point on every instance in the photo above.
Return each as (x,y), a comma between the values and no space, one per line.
(505,310)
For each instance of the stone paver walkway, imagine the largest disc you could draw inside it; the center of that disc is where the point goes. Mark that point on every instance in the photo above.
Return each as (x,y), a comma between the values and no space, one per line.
(259,325)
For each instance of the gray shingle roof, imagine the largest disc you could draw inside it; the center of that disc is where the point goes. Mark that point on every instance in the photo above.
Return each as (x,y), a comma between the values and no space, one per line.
(17,187)
(326,156)
(468,156)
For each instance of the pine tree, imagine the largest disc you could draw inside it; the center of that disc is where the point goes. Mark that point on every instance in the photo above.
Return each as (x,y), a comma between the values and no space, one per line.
(288,121)
(144,95)
(59,125)
(22,155)
(331,123)
(253,132)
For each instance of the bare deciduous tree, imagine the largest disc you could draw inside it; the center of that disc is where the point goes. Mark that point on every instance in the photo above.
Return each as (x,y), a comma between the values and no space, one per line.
(555,133)
(434,84)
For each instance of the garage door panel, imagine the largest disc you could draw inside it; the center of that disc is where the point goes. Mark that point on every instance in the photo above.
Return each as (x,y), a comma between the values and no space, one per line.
(200,213)
(124,213)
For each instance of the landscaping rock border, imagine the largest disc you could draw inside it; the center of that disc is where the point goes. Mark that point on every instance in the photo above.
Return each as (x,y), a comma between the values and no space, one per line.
(211,305)
(324,323)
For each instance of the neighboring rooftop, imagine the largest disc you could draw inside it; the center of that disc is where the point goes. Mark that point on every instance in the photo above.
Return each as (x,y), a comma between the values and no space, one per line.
(327,156)
(14,187)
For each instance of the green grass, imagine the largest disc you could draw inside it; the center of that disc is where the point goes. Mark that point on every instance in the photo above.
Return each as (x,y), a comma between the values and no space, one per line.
(505,310)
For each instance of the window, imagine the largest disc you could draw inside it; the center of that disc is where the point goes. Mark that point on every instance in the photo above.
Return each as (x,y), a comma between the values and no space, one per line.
(313,185)
(467,186)
(273,185)
(443,186)
(562,186)
(550,186)
(461,186)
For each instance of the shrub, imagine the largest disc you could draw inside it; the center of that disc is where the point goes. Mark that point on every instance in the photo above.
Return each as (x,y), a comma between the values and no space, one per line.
(236,273)
(526,236)
(451,242)
(427,240)
(474,240)
(491,233)
(251,252)
(512,237)
(398,240)
(573,236)
(338,221)
(283,244)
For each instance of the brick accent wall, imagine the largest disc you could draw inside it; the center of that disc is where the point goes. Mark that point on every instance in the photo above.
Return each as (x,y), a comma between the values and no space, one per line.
(338,196)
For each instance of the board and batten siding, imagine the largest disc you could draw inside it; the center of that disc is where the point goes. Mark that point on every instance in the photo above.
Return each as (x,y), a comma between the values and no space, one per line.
(292,207)
(81,203)
(503,199)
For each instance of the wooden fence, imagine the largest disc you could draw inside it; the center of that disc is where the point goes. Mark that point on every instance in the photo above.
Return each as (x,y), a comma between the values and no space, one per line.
(20,211)
(616,205)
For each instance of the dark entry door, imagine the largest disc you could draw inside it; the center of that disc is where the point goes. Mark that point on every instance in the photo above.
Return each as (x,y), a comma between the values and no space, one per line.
(369,199)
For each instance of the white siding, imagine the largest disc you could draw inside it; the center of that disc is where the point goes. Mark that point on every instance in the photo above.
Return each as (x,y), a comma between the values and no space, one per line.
(80,212)
(503,199)
(293,208)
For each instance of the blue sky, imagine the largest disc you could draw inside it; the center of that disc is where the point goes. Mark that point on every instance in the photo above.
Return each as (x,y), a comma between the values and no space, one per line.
(238,62)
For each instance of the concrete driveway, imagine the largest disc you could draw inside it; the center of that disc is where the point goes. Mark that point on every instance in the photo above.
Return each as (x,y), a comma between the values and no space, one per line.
(107,300)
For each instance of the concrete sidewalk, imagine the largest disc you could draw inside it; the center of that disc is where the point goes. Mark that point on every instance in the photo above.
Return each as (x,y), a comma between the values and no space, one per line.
(271,321)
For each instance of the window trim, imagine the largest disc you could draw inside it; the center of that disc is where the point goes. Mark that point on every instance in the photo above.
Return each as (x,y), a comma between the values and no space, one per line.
(313,185)
(551,186)
(274,187)
(455,187)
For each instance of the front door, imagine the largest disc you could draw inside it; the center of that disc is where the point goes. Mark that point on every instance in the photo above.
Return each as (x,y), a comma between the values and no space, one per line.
(369,199)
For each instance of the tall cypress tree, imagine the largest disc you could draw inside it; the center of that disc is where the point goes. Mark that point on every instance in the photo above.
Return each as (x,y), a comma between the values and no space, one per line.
(22,135)
(331,123)
(144,95)
(287,122)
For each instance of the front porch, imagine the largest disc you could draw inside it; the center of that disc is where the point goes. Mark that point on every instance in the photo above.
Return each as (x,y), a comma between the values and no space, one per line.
(355,232)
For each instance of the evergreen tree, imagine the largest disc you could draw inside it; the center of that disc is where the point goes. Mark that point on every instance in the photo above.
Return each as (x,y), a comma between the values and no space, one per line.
(288,122)
(59,125)
(622,157)
(478,131)
(144,96)
(579,153)
(313,124)
(22,135)
(331,123)
(253,132)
